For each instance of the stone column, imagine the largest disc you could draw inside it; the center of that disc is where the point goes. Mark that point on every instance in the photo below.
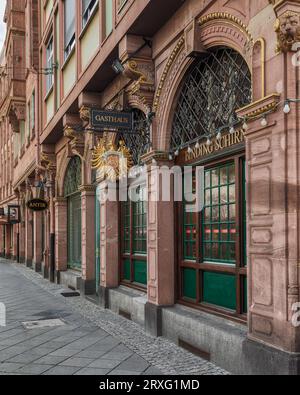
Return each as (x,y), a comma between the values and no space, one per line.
(1,240)
(88,284)
(22,241)
(28,237)
(61,234)
(273,181)
(161,266)
(109,247)
(37,247)
(7,242)
(15,246)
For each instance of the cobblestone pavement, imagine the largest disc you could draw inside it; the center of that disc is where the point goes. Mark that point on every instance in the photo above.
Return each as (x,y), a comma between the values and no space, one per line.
(93,341)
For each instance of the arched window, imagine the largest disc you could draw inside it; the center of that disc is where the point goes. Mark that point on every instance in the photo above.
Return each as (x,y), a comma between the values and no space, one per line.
(212,243)
(73,177)
(134,213)
(216,86)
(72,193)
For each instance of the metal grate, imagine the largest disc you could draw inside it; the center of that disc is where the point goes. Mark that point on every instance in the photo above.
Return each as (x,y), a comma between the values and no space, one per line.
(216,86)
(73,177)
(138,142)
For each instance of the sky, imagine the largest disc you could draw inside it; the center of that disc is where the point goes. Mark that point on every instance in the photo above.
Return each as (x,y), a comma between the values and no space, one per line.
(2,25)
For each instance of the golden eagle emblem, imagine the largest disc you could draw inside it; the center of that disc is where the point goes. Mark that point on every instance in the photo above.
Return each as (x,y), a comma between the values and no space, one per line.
(111,162)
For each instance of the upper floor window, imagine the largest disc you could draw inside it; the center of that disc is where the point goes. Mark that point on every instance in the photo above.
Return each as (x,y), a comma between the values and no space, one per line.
(69,23)
(121,3)
(49,65)
(88,7)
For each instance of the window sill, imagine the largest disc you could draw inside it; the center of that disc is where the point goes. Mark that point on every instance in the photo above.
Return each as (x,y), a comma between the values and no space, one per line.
(67,60)
(50,91)
(215,311)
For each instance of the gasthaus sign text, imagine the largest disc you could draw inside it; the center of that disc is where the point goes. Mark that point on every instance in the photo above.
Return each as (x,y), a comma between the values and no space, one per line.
(113,120)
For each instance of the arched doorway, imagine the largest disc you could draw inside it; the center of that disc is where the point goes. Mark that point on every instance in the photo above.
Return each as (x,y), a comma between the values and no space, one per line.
(72,193)
(212,266)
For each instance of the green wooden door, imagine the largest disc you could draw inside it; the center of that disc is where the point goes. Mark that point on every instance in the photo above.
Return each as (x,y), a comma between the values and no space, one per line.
(74,231)
(72,193)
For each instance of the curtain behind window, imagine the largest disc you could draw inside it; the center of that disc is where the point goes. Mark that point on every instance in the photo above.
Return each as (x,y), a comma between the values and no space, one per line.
(69,21)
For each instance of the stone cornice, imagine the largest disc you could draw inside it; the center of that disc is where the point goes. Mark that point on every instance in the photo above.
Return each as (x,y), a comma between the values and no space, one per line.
(260,107)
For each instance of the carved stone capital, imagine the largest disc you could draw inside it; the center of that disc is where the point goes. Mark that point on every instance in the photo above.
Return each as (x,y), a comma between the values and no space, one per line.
(287,26)
(85,114)
(16,114)
(141,90)
(76,141)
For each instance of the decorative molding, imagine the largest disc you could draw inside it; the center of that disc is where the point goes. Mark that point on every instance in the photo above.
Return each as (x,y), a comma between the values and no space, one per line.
(172,59)
(224,16)
(158,156)
(259,107)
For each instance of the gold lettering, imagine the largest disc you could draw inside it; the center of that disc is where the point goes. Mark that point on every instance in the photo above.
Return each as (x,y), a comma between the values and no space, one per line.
(217,145)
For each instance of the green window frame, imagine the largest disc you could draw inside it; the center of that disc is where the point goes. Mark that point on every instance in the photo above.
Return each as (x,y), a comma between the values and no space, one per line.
(213,265)
(72,193)
(134,241)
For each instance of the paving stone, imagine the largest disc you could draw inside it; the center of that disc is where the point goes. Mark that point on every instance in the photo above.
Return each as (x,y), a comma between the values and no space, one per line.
(34,369)
(123,373)
(24,358)
(63,352)
(80,362)
(10,367)
(61,371)
(50,360)
(92,372)
(105,364)
(134,364)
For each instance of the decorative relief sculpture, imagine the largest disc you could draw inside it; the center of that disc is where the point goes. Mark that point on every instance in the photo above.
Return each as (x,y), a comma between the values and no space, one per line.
(111,162)
(287,27)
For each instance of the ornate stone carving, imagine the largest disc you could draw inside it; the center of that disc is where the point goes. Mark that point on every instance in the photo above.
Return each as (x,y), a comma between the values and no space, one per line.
(16,114)
(173,57)
(287,28)
(76,141)
(141,73)
(85,114)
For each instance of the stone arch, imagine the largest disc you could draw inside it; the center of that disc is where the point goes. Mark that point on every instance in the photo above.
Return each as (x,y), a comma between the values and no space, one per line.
(217,29)
(62,168)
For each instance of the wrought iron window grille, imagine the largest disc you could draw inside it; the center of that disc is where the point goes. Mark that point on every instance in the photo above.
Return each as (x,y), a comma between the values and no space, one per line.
(216,86)
(138,141)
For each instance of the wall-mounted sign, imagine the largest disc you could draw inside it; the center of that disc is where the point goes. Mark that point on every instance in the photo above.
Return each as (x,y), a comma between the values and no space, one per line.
(14,214)
(110,161)
(37,205)
(113,120)
(217,145)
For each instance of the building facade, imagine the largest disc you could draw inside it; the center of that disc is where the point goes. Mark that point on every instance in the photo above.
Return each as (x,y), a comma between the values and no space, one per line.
(210,84)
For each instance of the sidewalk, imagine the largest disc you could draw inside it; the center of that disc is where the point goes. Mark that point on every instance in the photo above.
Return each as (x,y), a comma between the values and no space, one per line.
(91,341)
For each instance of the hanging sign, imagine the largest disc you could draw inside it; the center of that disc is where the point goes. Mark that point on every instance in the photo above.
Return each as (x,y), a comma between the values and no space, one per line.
(37,205)
(14,214)
(114,120)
